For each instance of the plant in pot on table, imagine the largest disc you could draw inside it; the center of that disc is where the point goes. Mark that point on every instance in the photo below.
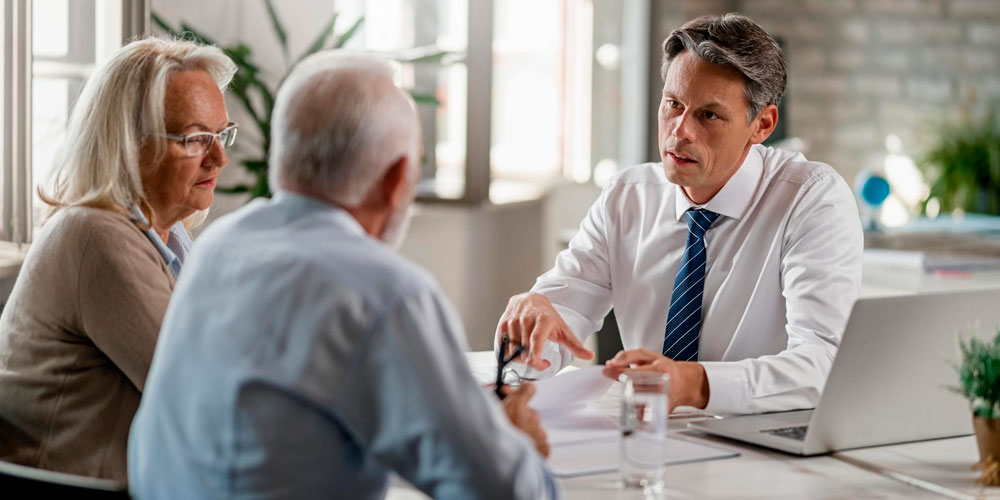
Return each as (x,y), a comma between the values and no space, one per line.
(979,375)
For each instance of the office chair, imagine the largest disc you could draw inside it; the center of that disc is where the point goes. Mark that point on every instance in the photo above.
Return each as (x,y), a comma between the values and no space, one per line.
(18,481)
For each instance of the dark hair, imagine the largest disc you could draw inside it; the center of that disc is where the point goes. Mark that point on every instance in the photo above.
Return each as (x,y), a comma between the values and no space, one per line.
(734,41)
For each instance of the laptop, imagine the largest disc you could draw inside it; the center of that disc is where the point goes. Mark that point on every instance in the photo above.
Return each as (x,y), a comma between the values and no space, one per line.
(889,382)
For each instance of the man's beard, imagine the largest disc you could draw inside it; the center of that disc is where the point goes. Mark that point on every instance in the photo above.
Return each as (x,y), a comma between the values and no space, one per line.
(396,226)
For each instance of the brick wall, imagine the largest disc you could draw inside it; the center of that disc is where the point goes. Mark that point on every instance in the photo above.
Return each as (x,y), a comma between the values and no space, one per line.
(862,69)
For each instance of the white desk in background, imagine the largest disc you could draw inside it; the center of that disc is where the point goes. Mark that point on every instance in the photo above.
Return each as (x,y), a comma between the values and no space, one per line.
(931,469)
(881,280)
(895,259)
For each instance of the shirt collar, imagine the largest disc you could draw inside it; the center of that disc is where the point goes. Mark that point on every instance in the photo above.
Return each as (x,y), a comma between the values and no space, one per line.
(298,205)
(178,244)
(735,197)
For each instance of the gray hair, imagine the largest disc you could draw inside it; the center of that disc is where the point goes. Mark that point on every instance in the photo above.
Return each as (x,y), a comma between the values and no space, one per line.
(339,123)
(121,110)
(734,41)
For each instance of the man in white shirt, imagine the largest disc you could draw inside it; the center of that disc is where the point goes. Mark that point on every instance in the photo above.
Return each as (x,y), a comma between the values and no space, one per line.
(731,266)
(300,356)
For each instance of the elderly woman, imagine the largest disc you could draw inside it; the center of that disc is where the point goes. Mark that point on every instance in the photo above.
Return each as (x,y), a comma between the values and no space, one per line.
(144,148)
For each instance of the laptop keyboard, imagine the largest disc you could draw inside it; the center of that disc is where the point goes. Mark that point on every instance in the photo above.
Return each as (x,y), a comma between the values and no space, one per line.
(798,433)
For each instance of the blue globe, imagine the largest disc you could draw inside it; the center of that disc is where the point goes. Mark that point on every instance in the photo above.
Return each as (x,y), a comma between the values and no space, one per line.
(873,190)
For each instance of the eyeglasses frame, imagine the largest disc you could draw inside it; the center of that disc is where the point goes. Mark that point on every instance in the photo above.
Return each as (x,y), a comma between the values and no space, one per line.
(216,136)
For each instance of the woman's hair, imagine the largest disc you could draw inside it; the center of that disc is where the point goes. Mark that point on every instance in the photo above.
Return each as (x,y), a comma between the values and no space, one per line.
(121,109)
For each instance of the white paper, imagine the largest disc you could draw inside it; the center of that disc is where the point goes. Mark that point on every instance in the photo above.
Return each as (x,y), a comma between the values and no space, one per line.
(577,424)
(598,457)
(572,388)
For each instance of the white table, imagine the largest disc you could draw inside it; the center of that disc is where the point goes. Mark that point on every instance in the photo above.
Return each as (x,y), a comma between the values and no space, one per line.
(940,465)
(881,280)
(933,469)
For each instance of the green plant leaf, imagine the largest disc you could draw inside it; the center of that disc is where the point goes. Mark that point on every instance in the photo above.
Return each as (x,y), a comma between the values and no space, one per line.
(244,98)
(428,54)
(964,166)
(279,30)
(163,25)
(240,54)
(261,189)
(200,38)
(425,99)
(979,375)
(322,38)
(232,189)
(349,33)
(256,166)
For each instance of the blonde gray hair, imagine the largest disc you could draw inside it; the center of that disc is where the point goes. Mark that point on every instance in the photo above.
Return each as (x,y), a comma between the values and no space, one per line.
(339,122)
(120,110)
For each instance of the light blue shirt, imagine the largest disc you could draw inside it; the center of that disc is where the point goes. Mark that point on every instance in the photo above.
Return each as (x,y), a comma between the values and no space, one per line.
(300,358)
(178,245)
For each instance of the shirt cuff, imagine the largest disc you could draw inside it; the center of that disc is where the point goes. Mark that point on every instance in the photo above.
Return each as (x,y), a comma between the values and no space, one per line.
(728,387)
(554,355)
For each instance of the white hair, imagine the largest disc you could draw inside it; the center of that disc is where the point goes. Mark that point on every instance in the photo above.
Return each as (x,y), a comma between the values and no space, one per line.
(339,123)
(120,111)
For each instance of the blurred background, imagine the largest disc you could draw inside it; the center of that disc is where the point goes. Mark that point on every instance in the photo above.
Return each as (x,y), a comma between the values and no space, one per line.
(530,106)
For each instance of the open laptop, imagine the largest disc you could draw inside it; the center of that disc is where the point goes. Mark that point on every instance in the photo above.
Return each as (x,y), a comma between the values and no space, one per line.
(889,381)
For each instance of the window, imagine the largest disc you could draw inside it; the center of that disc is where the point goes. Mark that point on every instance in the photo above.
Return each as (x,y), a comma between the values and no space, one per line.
(515,105)
(397,27)
(529,95)
(43,76)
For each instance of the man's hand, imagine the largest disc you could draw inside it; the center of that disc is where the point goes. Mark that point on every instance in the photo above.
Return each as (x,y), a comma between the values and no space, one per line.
(515,404)
(530,320)
(688,382)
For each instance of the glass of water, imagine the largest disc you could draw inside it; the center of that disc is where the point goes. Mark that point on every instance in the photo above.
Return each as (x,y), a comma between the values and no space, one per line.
(643,445)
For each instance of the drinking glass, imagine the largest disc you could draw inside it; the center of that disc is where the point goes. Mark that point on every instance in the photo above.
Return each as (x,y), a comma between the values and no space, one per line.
(643,445)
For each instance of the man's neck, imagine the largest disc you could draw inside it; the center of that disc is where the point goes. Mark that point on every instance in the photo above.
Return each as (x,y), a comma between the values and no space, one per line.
(372,221)
(703,195)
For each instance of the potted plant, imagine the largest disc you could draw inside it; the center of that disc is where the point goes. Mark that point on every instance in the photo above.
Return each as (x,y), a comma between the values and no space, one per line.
(964,166)
(251,85)
(979,376)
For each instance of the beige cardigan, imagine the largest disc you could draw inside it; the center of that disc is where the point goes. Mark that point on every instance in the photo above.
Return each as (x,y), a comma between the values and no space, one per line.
(76,340)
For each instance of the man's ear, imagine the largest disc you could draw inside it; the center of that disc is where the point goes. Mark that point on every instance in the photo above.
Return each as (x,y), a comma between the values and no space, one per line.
(393,184)
(765,122)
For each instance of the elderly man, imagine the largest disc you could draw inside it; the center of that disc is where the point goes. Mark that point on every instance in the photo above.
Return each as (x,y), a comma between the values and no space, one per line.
(301,357)
(731,266)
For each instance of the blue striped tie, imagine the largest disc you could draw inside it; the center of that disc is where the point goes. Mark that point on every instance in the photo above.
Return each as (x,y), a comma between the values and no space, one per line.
(684,319)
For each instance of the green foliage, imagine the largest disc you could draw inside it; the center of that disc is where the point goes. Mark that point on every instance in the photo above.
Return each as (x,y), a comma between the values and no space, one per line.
(256,95)
(965,166)
(979,375)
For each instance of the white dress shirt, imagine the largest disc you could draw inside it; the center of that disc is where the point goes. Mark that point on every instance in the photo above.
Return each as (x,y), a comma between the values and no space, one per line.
(783,271)
(300,358)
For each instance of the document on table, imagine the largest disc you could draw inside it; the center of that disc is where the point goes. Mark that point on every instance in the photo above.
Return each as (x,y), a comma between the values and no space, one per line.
(571,388)
(584,439)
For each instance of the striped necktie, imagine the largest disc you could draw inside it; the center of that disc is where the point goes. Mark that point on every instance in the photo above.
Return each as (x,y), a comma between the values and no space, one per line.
(684,318)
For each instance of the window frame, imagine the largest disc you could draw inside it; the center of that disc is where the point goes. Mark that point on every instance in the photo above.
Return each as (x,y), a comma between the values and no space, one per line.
(478,60)
(16,186)
(633,140)
(15,194)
